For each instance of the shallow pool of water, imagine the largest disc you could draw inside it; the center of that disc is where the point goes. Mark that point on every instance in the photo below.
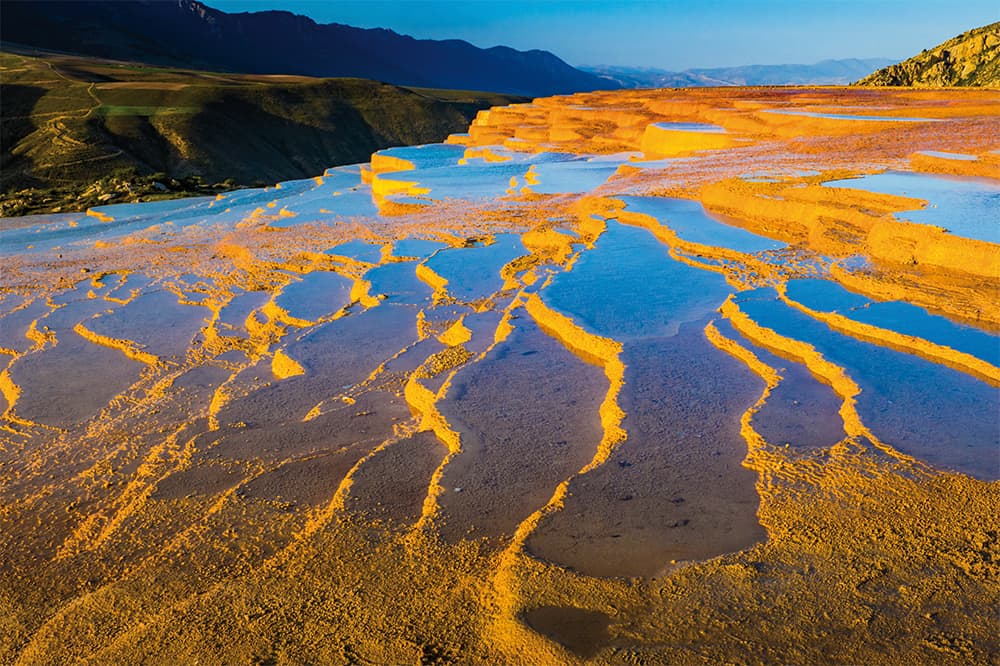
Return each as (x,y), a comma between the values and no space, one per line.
(416,247)
(899,316)
(942,416)
(359,250)
(474,272)
(476,180)
(629,287)
(801,411)
(315,295)
(572,176)
(948,156)
(156,321)
(690,222)
(690,127)
(964,206)
(850,116)
(427,156)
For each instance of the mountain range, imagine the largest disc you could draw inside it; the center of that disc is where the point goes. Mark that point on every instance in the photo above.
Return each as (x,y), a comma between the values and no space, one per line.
(189,34)
(826,72)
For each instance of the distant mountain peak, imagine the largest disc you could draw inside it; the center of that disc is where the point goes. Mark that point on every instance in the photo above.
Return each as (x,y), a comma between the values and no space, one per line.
(825,72)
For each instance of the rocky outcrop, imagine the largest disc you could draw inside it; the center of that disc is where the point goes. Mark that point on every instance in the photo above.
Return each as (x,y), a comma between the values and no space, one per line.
(970,59)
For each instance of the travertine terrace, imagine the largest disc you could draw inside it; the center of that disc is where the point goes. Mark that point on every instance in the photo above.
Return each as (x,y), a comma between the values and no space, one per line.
(679,377)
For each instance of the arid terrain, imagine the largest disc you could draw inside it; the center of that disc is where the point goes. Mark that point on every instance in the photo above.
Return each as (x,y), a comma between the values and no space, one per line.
(634,377)
(81,131)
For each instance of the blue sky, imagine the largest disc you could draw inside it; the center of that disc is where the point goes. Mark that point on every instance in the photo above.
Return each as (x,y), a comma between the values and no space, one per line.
(665,33)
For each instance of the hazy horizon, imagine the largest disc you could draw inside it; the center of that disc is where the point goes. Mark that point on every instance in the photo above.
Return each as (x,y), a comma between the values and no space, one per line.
(665,35)
(654,68)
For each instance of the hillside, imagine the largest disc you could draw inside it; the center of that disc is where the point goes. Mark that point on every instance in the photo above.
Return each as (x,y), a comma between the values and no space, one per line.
(186,33)
(826,72)
(970,59)
(79,131)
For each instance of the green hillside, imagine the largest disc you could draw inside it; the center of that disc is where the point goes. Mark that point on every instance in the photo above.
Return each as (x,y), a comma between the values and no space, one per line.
(970,59)
(79,131)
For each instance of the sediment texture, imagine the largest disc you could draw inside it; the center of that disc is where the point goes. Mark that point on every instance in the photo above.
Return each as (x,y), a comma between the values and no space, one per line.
(581,385)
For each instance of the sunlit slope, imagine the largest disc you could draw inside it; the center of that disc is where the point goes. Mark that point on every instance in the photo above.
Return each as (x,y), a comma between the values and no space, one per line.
(653,377)
(969,59)
(78,131)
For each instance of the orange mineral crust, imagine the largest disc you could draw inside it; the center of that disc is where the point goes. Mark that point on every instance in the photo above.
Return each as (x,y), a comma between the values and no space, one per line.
(637,377)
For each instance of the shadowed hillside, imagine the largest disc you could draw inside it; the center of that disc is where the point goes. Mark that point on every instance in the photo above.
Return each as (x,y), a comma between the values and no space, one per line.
(970,59)
(78,131)
(186,33)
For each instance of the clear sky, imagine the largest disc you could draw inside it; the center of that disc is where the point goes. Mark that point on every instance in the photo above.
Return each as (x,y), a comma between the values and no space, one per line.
(667,34)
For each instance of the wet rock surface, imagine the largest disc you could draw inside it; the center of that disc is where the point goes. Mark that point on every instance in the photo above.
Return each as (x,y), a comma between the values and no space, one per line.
(560,390)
